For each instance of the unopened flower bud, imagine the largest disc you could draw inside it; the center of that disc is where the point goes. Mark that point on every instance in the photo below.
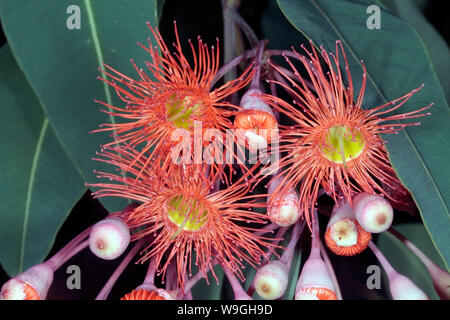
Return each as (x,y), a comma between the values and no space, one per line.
(32,284)
(271,280)
(344,235)
(144,294)
(315,282)
(284,209)
(402,288)
(373,212)
(109,238)
(256,120)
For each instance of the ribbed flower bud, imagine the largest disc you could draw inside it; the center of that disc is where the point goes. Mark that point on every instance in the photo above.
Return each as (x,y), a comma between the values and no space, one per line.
(256,120)
(315,282)
(344,235)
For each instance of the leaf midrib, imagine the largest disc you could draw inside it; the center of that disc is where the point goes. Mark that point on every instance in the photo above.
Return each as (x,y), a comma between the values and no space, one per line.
(30,188)
(100,60)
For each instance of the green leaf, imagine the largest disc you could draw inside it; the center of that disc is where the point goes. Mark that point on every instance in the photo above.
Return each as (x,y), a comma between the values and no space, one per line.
(397,61)
(404,261)
(39,183)
(61,65)
(438,49)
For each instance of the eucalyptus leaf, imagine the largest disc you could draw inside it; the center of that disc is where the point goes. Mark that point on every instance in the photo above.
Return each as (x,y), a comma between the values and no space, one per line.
(437,47)
(62,65)
(397,61)
(405,262)
(39,183)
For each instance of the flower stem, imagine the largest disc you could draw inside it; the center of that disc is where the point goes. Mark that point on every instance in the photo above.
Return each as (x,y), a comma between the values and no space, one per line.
(315,238)
(231,64)
(171,277)
(289,251)
(255,84)
(390,271)
(269,228)
(429,264)
(103,294)
(67,251)
(331,271)
(239,292)
(243,25)
(229,36)
(149,280)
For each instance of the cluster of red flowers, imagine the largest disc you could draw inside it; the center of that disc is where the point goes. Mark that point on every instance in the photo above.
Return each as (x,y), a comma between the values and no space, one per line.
(334,144)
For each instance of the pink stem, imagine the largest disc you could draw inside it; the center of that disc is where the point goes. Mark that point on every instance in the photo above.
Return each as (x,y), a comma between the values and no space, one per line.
(231,64)
(229,36)
(429,264)
(171,277)
(315,238)
(289,251)
(331,271)
(116,274)
(255,84)
(149,280)
(279,237)
(273,92)
(61,256)
(269,228)
(193,281)
(239,292)
(390,271)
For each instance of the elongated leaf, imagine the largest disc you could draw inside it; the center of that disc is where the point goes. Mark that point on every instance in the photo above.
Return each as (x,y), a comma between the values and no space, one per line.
(61,64)
(397,61)
(38,182)
(405,262)
(439,51)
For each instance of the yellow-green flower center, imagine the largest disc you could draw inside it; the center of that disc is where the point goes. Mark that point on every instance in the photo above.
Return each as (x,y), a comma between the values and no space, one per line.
(188,217)
(341,144)
(179,111)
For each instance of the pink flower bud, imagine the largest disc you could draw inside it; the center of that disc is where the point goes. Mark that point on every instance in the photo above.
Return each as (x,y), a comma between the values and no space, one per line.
(402,288)
(109,238)
(373,212)
(315,282)
(344,235)
(284,210)
(32,284)
(271,280)
(256,121)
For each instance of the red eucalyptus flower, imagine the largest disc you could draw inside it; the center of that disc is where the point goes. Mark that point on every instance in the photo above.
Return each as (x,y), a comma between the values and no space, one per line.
(181,216)
(176,95)
(334,143)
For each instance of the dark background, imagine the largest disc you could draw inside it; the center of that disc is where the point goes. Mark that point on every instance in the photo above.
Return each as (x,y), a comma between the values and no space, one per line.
(95,272)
